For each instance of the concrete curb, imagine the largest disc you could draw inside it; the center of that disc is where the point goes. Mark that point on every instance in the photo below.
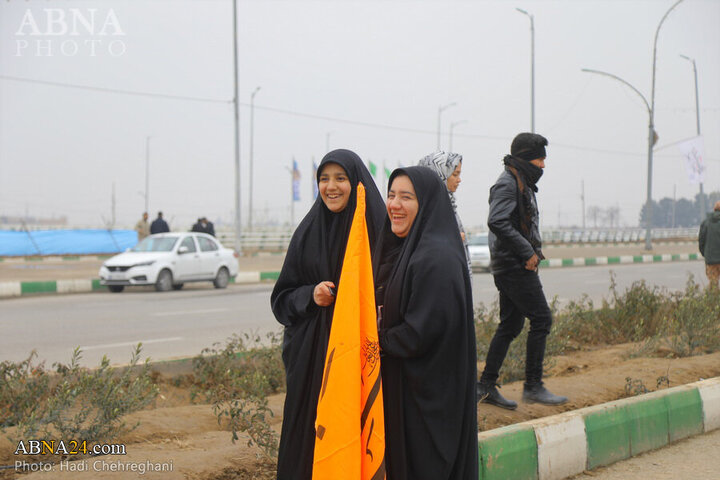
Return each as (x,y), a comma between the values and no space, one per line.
(560,446)
(620,260)
(15,289)
(84,285)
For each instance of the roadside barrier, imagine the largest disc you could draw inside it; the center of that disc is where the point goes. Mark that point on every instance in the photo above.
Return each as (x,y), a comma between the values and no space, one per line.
(560,446)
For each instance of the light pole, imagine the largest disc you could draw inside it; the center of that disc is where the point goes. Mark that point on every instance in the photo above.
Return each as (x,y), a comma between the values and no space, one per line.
(327,141)
(651,142)
(697,123)
(532,68)
(652,137)
(440,110)
(147,173)
(452,126)
(252,126)
(236,112)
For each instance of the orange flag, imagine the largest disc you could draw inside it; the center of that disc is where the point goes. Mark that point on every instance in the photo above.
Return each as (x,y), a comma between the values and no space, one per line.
(350,428)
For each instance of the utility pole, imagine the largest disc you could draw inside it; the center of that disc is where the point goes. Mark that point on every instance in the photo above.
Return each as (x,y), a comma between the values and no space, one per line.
(236,112)
(703,207)
(252,141)
(439,127)
(532,68)
(147,173)
(582,198)
(112,206)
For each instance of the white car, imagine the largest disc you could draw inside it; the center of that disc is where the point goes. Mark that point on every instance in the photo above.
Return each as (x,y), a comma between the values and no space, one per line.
(479,251)
(168,261)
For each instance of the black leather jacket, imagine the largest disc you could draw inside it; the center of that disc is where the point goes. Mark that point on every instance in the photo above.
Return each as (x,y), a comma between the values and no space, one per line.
(510,248)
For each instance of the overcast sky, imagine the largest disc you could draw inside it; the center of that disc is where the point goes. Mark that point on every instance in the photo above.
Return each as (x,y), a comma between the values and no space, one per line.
(367,75)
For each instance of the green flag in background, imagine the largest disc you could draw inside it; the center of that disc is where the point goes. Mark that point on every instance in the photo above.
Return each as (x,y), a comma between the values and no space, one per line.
(372,167)
(387,172)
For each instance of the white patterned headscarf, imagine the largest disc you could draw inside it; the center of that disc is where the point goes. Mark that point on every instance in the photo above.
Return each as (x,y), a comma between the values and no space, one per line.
(444,164)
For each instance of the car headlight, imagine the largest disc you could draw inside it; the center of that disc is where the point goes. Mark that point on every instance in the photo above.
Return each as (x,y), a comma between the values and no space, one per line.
(144,264)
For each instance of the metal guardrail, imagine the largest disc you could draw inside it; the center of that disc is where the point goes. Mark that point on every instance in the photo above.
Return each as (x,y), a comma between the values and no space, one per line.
(278,240)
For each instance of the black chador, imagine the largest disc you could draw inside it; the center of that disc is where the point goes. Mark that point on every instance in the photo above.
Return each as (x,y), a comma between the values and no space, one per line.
(315,254)
(427,342)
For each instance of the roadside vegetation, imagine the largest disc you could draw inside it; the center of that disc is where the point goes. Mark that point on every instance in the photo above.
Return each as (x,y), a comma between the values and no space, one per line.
(661,323)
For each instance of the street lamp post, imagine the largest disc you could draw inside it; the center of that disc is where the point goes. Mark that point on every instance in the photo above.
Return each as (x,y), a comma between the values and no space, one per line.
(147,173)
(252,140)
(452,126)
(327,141)
(652,137)
(697,123)
(532,68)
(651,142)
(236,113)
(440,110)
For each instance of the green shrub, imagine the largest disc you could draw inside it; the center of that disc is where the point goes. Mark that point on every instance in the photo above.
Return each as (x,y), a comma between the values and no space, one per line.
(236,379)
(74,402)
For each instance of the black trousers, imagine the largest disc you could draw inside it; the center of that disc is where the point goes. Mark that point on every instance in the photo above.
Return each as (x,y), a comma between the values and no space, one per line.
(521,296)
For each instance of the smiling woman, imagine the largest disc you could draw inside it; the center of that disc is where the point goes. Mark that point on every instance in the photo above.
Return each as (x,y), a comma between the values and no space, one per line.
(303,299)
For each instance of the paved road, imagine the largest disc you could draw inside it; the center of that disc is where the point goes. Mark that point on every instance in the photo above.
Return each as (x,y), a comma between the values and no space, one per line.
(174,324)
(694,458)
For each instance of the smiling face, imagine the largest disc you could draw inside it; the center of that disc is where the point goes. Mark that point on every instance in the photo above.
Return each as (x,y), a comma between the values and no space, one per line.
(453,182)
(402,205)
(334,187)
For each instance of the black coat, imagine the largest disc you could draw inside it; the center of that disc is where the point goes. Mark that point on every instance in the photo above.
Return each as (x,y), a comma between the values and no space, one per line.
(427,340)
(510,246)
(159,226)
(314,255)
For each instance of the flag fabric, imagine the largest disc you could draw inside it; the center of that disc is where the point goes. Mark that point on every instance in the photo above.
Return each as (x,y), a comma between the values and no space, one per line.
(296,181)
(692,151)
(387,172)
(314,180)
(350,426)
(372,167)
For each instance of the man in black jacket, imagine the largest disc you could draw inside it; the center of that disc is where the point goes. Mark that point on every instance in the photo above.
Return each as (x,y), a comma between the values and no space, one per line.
(515,251)
(159,225)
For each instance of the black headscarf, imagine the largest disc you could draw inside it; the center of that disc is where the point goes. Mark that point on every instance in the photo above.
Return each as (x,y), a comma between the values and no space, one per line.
(427,336)
(315,254)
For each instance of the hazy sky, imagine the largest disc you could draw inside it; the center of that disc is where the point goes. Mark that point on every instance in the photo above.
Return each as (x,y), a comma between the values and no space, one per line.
(371,74)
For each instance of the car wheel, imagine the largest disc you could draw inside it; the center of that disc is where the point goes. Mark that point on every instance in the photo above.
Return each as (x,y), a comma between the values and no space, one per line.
(116,288)
(178,286)
(164,281)
(222,279)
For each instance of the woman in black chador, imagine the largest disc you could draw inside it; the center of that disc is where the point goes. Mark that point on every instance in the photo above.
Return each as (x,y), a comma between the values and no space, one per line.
(304,296)
(427,335)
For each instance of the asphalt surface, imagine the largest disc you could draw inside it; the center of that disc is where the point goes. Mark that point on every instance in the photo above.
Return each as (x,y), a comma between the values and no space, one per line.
(182,323)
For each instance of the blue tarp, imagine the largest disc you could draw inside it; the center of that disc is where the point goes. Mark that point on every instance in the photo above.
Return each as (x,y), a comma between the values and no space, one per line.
(65,242)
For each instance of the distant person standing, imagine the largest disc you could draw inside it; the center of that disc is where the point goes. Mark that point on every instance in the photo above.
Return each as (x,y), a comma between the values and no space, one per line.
(159,225)
(142,227)
(208,226)
(709,243)
(198,227)
(515,252)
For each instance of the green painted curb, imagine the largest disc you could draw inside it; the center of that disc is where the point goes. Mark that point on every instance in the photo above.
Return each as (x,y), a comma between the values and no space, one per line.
(511,452)
(544,263)
(96,284)
(608,436)
(648,425)
(685,414)
(269,275)
(33,259)
(675,257)
(567,262)
(590,261)
(693,256)
(657,258)
(71,257)
(637,259)
(38,287)
(613,260)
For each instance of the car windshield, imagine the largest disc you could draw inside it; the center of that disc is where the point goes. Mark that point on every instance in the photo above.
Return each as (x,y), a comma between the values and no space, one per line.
(478,240)
(155,244)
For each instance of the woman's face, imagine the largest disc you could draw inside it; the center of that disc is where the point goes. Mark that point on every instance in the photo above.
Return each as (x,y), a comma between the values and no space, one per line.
(334,187)
(402,205)
(454,181)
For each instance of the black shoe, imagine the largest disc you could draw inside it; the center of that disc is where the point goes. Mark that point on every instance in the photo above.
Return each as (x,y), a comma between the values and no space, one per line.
(539,394)
(489,394)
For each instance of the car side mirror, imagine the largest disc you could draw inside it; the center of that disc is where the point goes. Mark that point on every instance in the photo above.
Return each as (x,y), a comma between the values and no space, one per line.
(183,250)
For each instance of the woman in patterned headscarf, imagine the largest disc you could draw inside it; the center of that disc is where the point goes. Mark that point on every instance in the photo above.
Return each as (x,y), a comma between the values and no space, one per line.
(448,166)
